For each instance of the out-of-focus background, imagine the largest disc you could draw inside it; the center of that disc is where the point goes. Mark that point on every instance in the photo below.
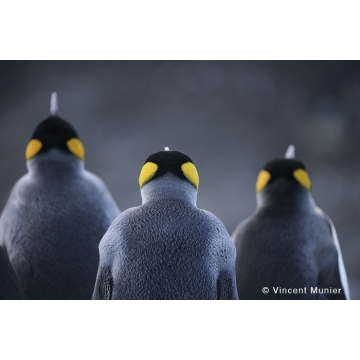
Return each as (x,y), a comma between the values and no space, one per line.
(230,117)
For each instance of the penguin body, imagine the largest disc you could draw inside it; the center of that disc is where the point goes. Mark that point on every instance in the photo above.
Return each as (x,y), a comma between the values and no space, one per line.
(167,248)
(55,217)
(288,246)
(9,283)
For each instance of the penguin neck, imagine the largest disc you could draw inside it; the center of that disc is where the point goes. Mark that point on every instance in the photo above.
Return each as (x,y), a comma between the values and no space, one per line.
(55,162)
(169,187)
(283,197)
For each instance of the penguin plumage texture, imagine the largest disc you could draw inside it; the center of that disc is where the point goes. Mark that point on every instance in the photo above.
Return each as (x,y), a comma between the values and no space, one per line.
(167,248)
(288,243)
(56,216)
(9,283)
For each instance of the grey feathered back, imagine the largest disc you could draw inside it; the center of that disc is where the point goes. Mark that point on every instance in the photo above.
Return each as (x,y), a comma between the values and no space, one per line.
(52,224)
(286,243)
(166,248)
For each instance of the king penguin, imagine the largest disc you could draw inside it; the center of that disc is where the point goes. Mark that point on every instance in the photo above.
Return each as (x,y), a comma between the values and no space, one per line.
(56,215)
(166,248)
(288,249)
(9,283)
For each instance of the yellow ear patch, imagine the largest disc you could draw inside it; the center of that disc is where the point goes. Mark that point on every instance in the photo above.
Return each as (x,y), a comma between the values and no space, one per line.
(262,180)
(33,148)
(76,147)
(147,172)
(191,173)
(303,178)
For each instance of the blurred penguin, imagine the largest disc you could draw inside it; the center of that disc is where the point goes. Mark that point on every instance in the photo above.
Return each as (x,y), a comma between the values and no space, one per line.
(288,249)
(9,283)
(167,248)
(56,215)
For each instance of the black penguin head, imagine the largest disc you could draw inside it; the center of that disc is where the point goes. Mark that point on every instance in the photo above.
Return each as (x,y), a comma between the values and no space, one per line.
(289,168)
(164,162)
(54,132)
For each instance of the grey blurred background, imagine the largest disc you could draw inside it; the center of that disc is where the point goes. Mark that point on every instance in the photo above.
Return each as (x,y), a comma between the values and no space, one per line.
(230,117)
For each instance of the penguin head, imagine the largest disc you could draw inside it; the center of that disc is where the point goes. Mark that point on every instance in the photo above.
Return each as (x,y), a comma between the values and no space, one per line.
(169,174)
(283,178)
(54,133)
(51,133)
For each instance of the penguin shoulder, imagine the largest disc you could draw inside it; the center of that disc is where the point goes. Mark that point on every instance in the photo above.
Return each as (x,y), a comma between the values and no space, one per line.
(24,181)
(217,231)
(99,189)
(120,229)
(21,189)
(244,225)
(219,240)
(93,179)
(17,201)
(213,222)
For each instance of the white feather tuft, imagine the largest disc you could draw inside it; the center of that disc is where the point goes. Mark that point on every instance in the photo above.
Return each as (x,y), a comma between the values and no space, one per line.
(166,148)
(290,152)
(54,106)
